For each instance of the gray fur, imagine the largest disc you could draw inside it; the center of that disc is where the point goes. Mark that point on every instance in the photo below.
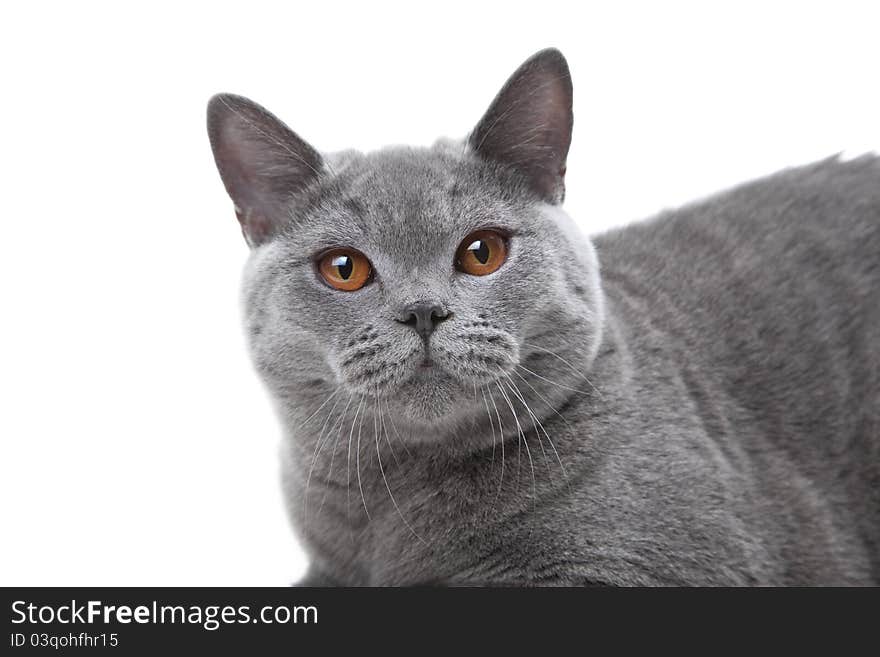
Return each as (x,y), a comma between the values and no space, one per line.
(706,410)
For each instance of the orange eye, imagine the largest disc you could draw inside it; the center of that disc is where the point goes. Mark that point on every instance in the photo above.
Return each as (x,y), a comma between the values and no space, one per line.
(481,253)
(345,269)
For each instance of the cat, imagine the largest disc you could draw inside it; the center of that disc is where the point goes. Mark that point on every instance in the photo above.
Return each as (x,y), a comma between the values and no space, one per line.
(474,393)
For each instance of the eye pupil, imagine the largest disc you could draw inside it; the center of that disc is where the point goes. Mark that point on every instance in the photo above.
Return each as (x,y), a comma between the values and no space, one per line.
(344,269)
(481,253)
(344,265)
(480,250)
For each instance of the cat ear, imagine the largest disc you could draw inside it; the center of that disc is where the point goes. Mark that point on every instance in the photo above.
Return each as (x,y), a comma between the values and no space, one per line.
(528,126)
(262,162)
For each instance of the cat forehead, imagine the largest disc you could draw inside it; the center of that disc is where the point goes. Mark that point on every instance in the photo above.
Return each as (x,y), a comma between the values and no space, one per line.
(433,192)
(401,177)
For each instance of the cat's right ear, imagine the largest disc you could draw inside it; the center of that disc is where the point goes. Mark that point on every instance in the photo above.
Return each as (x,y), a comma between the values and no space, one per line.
(262,162)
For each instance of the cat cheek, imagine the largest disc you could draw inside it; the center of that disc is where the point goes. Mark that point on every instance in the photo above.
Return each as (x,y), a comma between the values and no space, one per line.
(369,363)
(478,357)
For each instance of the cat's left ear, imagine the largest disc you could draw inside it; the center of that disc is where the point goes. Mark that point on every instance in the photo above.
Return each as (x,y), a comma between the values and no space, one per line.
(528,126)
(262,162)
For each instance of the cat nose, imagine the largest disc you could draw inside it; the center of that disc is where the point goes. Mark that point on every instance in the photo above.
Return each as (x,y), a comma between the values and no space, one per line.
(423,317)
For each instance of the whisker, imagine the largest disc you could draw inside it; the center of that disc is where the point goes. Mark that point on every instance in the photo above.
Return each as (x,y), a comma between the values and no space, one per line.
(491,421)
(558,385)
(501,434)
(535,421)
(580,374)
(553,408)
(542,398)
(318,444)
(348,464)
(522,436)
(358,466)
(390,448)
(385,479)
(397,433)
(338,428)
(308,419)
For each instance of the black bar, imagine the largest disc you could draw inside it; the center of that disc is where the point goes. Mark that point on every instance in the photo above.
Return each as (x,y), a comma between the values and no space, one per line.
(331,619)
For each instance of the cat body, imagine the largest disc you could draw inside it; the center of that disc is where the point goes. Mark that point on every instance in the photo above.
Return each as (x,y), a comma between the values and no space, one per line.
(694,399)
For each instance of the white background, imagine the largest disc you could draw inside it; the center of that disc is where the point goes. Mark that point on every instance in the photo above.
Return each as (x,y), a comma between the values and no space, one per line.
(137,445)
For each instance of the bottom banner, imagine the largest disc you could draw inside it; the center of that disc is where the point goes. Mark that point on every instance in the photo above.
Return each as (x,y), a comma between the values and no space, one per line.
(146,620)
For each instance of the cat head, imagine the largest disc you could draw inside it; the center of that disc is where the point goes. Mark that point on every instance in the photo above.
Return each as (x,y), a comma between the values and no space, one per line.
(413,279)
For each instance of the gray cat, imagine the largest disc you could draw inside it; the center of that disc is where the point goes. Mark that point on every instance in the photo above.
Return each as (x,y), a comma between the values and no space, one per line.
(468,400)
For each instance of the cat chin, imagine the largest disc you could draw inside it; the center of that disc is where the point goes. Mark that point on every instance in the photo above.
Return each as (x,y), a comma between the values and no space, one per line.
(429,403)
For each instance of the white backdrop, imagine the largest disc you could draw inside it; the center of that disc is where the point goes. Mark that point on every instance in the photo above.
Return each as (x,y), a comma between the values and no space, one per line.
(137,445)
